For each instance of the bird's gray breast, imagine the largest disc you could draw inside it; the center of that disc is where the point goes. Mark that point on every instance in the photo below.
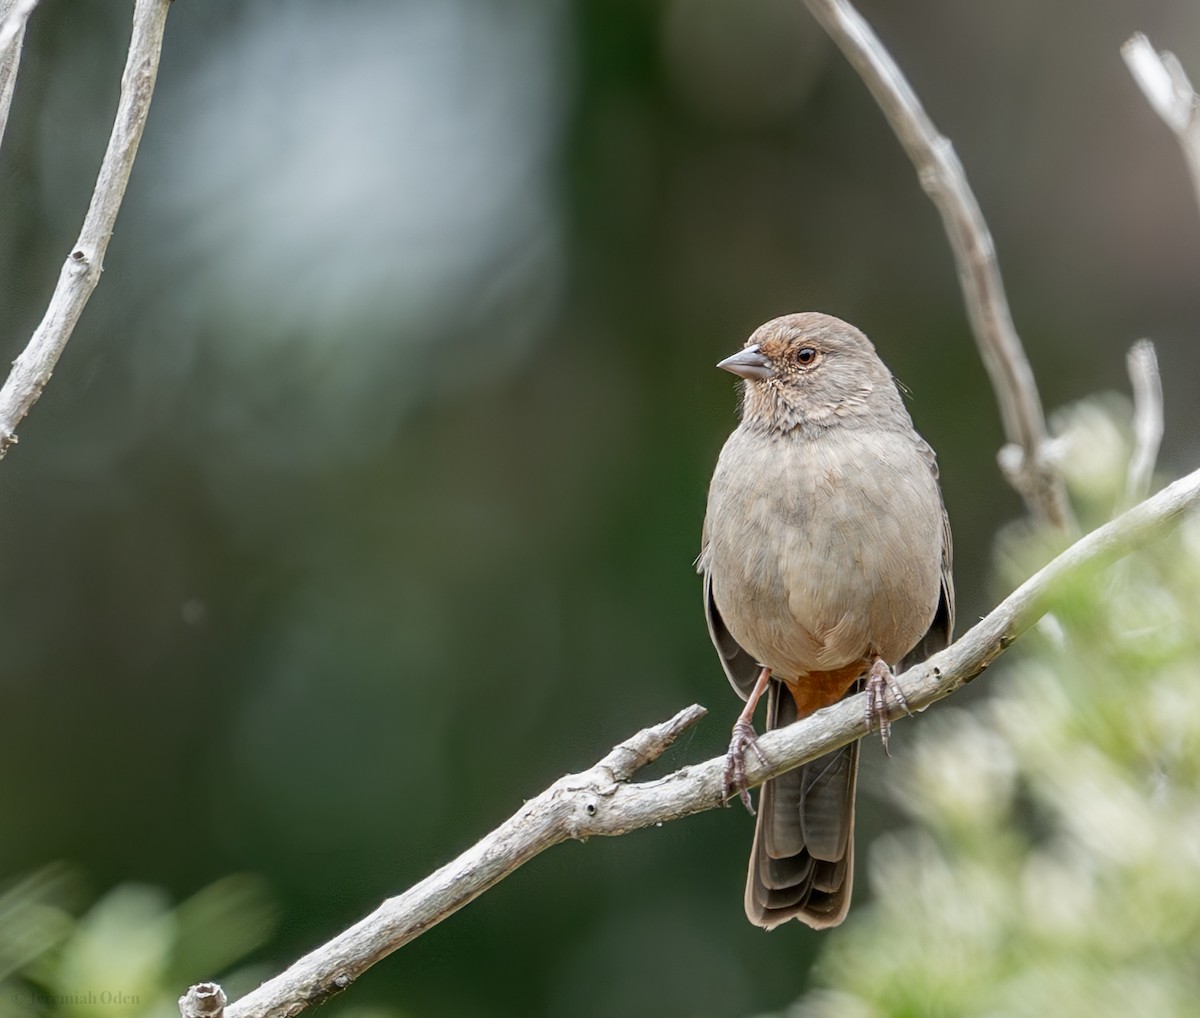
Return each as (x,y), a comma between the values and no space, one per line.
(824,549)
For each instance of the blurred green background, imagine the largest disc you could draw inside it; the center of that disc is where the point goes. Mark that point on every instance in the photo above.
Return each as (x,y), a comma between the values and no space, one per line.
(363,502)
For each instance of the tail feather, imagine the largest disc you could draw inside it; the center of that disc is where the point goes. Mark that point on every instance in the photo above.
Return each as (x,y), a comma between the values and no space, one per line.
(802,863)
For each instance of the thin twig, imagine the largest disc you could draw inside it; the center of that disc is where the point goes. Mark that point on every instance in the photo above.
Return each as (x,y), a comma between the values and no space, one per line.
(1027,461)
(13,15)
(601,801)
(81,271)
(1146,382)
(1165,84)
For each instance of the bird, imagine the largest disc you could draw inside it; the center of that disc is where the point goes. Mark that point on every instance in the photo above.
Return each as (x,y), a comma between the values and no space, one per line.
(826,558)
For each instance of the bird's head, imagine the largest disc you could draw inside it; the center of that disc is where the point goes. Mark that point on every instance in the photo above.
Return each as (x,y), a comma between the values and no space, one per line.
(811,369)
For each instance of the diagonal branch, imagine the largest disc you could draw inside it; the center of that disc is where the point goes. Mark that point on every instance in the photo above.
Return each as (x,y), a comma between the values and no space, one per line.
(570,808)
(81,271)
(601,801)
(1027,461)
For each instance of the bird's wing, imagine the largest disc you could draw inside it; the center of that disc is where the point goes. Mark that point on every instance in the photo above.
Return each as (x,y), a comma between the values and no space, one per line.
(740,668)
(942,628)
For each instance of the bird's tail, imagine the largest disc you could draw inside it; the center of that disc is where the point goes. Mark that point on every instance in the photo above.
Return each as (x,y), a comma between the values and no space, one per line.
(802,863)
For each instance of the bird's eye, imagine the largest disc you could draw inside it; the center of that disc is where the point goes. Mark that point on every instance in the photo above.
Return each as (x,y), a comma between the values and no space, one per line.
(806,355)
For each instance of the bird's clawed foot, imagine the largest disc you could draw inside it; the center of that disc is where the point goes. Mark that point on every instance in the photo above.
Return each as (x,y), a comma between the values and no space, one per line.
(880,681)
(744,738)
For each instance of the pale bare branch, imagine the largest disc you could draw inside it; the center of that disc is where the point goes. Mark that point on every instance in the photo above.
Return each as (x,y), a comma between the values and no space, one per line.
(570,808)
(1027,461)
(1166,86)
(1146,382)
(81,271)
(601,801)
(13,15)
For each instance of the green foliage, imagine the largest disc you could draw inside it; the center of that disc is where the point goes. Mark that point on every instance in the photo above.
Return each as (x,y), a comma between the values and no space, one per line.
(130,954)
(1054,862)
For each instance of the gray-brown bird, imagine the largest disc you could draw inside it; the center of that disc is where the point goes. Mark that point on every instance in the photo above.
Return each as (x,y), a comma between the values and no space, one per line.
(826,559)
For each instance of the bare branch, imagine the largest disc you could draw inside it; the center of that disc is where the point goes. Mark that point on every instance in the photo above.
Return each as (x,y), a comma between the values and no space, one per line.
(13,15)
(81,271)
(1027,462)
(600,801)
(1146,383)
(1165,84)
(570,808)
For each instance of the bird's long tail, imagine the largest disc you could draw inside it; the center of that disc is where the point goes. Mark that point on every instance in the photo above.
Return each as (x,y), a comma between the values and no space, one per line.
(802,863)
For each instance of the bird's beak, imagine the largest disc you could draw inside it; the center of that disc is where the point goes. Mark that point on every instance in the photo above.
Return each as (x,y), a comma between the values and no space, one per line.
(749,363)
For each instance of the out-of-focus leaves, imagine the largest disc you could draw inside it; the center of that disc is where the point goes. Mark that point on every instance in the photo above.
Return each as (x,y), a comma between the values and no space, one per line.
(118,956)
(34,916)
(130,954)
(221,924)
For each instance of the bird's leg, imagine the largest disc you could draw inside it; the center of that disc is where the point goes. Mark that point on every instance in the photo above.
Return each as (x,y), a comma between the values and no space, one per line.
(880,681)
(744,738)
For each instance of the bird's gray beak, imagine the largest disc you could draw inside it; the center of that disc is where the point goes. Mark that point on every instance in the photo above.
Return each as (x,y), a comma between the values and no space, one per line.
(749,363)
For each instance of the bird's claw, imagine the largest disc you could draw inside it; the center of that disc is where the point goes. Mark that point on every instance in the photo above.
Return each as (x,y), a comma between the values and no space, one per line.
(880,681)
(744,738)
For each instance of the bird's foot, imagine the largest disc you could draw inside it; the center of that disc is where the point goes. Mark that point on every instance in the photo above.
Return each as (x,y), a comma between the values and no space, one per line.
(880,681)
(744,738)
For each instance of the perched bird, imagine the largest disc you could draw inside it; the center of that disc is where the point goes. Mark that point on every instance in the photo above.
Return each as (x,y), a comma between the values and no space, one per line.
(826,561)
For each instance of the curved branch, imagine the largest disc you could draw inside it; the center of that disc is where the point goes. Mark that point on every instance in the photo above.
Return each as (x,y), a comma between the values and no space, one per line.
(1026,461)
(600,801)
(81,271)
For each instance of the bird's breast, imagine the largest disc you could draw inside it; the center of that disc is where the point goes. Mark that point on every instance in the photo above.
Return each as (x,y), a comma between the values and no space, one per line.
(824,550)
